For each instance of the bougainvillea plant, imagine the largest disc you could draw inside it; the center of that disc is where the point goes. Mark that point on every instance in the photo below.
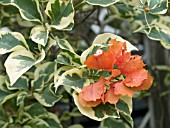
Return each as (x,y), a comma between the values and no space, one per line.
(47,58)
(106,80)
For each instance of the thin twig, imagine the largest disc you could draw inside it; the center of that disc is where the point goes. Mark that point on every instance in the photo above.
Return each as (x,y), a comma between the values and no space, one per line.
(85,17)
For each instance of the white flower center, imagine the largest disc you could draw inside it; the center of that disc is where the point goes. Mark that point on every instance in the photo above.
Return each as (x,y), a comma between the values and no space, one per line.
(98,52)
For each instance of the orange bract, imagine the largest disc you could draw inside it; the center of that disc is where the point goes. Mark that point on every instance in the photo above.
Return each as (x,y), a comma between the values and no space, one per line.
(88,103)
(133,76)
(102,61)
(94,91)
(135,79)
(146,84)
(92,94)
(121,89)
(111,97)
(133,64)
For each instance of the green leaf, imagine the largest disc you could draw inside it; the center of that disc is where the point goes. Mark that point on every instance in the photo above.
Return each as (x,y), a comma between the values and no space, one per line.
(21,96)
(73,79)
(113,123)
(122,106)
(5,94)
(19,62)
(20,84)
(61,14)
(35,110)
(152,3)
(98,113)
(44,70)
(60,71)
(127,118)
(159,34)
(29,9)
(11,41)
(67,115)
(161,8)
(105,109)
(143,1)
(64,58)
(39,35)
(128,101)
(76,126)
(53,121)
(103,3)
(47,97)
(64,44)
(38,84)
(37,123)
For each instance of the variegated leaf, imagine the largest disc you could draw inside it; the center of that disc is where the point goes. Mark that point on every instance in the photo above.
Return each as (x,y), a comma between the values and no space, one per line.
(98,113)
(20,84)
(29,9)
(102,39)
(152,3)
(66,47)
(50,43)
(5,94)
(123,107)
(64,58)
(35,110)
(103,3)
(64,44)
(19,62)
(113,123)
(143,1)
(47,97)
(76,126)
(104,111)
(11,41)
(158,34)
(38,83)
(39,35)
(128,101)
(61,14)
(73,79)
(53,121)
(44,71)
(127,118)
(158,7)
(21,96)
(60,71)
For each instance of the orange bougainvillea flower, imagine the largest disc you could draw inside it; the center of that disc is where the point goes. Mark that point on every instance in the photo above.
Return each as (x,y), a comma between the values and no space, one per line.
(135,79)
(105,60)
(97,61)
(111,97)
(146,84)
(132,64)
(92,94)
(119,62)
(121,89)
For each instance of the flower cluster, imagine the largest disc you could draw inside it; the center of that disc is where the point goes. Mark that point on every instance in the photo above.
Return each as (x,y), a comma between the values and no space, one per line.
(122,65)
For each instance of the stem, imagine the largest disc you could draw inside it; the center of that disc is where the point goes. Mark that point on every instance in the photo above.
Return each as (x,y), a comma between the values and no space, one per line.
(85,18)
(79,5)
(146,20)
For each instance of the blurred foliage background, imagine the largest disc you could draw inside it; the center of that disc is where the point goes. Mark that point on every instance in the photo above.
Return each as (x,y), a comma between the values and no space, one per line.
(144,23)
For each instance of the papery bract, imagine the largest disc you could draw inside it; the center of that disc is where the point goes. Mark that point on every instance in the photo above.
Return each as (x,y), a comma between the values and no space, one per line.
(85,103)
(146,84)
(121,89)
(111,97)
(135,79)
(91,95)
(133,64)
